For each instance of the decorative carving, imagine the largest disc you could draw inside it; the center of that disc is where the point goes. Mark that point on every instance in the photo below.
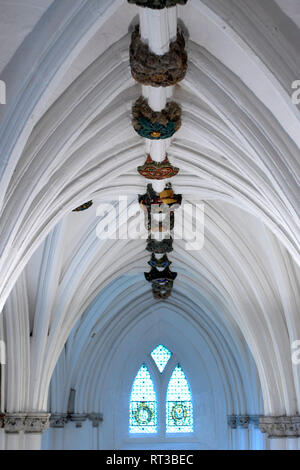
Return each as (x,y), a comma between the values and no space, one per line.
(83,207)
(164,198)
(157,70)
(37,422)
(58,420)
(160,247)
(280,426)
(163,205)
(243,421)
(155,125)
(232,421)
(14,422)
(157,170)
(238,421)
(162,292)
(160,278)
(158,4)
(27,422)
(2,416)
(159,263)
(162,282)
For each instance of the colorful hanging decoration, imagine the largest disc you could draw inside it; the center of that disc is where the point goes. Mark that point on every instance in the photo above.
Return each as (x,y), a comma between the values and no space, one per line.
(159,262)
(165,197)
(155,125)
(160,277)
(157,70)
(162,291)
(162,205)
(157,170)
(154,70)
(158,4)
(83,207)
(159,247)
(162,282)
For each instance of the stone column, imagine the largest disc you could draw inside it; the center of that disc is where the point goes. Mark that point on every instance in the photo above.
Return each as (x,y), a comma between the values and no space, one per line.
(24,430)
(283,432)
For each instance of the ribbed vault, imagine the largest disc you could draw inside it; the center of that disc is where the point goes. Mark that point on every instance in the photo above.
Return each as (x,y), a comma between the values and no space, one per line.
(237,151)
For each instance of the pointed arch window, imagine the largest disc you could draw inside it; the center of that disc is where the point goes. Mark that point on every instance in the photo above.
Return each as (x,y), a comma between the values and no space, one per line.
(176,406)
(143,405)
(179,406)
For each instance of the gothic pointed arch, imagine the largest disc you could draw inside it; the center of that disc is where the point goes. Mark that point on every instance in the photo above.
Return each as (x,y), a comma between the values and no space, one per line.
(143,404)
(179,403)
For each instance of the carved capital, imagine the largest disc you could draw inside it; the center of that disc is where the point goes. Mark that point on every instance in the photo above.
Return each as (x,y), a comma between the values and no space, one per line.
(14,422)
(26,422)
(232,421)
(37,422)
(241,421)
(280,426)
(58,420)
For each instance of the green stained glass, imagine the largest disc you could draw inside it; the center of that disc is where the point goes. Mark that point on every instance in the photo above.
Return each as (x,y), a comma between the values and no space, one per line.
(143,406)
(161,356)
(179,406)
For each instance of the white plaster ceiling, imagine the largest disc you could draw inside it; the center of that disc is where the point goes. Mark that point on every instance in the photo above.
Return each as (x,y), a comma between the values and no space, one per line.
(17,19)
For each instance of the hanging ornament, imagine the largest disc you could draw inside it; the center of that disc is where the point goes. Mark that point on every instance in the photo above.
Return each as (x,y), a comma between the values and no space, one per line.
(163,262)
(157,70)
(83,207)
(158,4)
(157,170)
(159,247)
(155,125)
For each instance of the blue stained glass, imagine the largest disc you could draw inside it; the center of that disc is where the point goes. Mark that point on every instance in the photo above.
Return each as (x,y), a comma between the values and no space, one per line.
(179,406)
(161,356)
(143,406)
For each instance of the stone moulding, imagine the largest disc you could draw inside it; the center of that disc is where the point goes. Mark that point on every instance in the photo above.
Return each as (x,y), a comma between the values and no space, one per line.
(157,70)
(58,420)
(158,4)
(155,125)
(157,170)
(280,426)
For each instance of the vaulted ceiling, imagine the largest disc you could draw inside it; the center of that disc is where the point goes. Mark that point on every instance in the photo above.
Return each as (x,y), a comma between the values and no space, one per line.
(66,137)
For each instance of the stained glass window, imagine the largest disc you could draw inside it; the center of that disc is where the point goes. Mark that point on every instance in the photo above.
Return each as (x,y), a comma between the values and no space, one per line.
(161,356)
(179,406)
(143,407)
